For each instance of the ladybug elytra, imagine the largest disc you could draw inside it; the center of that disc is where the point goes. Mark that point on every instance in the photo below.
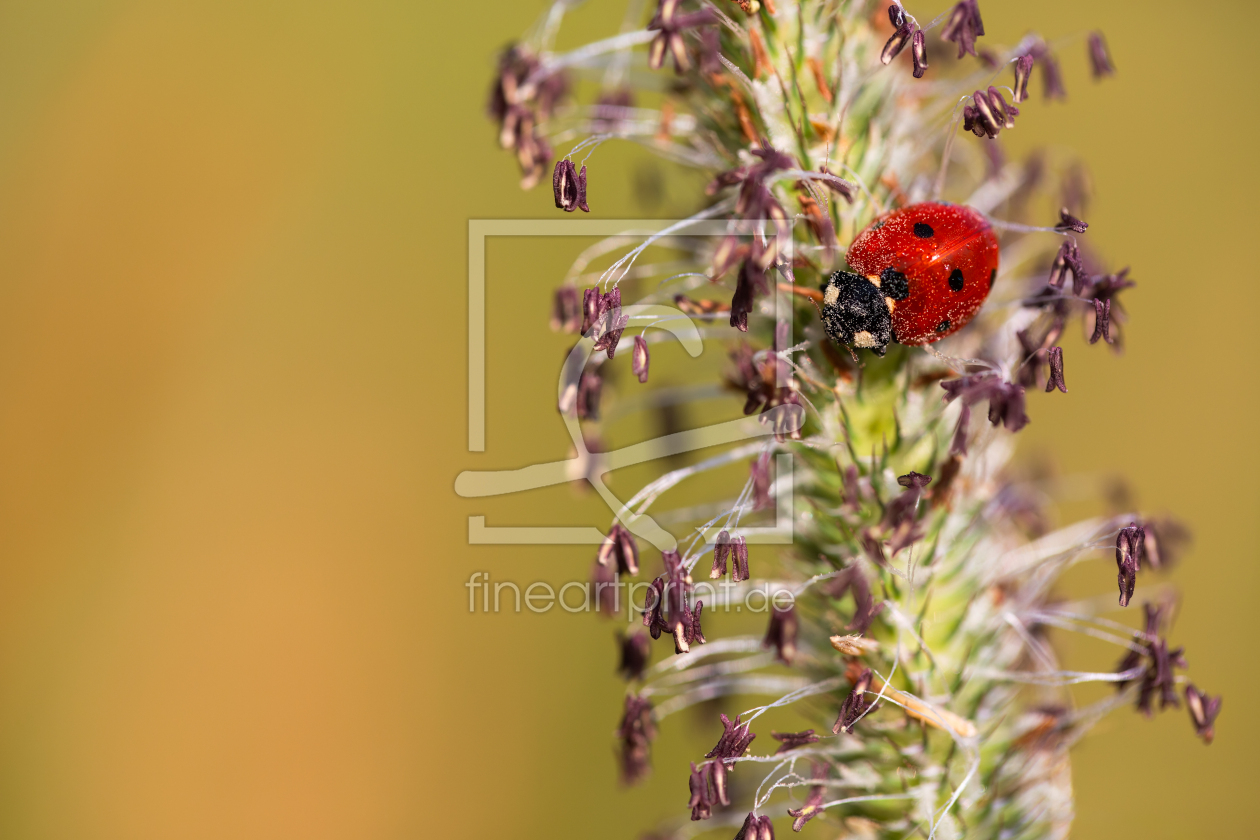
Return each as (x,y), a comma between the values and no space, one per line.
(917,275)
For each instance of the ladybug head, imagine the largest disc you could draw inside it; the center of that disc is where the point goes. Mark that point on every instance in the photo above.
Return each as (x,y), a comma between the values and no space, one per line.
(854,312)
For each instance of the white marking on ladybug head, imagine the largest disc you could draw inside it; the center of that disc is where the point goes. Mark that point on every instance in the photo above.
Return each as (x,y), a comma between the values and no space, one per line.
(892,304)
(831,294)
(863,339)
(874,278)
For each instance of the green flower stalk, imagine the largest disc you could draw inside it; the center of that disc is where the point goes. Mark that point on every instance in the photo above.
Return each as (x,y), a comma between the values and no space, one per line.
(910,618)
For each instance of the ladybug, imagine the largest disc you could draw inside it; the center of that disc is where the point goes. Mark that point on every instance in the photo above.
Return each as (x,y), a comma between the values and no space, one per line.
(918,274)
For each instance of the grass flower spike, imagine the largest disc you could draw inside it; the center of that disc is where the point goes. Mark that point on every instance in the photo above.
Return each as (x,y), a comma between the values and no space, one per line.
(888,290)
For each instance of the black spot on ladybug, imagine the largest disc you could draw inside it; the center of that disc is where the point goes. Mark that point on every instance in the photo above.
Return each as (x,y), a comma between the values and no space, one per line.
(943,325)
(893,284)
(923,231)
(992,277)
(956,280)
(877,226)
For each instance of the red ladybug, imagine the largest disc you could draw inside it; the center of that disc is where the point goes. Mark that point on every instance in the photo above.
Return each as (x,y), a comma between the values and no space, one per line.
(918,274)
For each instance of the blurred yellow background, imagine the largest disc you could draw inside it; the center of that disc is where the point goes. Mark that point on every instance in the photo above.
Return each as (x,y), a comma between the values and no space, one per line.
(232,407)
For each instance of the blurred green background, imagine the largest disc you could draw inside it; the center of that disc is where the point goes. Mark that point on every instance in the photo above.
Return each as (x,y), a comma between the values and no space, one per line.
(232,407)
